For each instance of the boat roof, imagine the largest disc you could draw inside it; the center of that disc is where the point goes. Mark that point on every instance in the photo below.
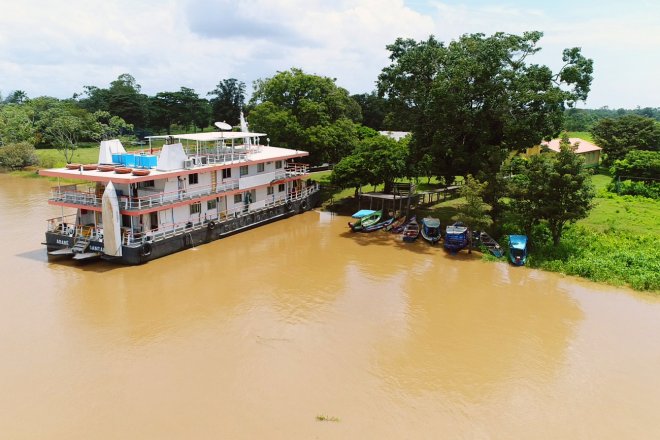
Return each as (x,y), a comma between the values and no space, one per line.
(431,222)
(211,136)
(362,213)
(518,241)
(453,229)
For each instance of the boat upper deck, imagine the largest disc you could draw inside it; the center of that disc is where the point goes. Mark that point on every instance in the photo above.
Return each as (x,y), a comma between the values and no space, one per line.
(199,160)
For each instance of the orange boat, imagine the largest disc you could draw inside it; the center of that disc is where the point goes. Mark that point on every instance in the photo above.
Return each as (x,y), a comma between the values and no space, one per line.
(106,168)
(73,166)
(89,167)
(141,172)
(123,170)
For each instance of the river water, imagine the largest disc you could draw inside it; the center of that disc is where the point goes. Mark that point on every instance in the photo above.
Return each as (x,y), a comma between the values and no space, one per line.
(261,334)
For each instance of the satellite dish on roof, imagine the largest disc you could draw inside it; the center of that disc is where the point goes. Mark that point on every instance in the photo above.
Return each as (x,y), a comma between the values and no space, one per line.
(223,126)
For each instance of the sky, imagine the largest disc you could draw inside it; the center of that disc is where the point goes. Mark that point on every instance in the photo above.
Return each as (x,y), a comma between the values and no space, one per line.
(55,47)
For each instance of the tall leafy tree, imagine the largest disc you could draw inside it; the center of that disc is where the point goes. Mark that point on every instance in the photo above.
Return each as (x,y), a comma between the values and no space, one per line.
(299,111)
(376,160)
(228,100)
(472,102)
(473,211)
(66,125)
(618,136)
(555,188)
(123,98)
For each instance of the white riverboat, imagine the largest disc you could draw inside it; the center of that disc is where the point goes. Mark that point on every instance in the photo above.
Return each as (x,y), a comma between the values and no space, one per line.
(133,207)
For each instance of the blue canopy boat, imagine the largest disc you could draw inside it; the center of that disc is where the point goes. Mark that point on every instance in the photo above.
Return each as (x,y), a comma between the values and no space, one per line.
(365,218)
(518,249)
(431,229)
(456,237)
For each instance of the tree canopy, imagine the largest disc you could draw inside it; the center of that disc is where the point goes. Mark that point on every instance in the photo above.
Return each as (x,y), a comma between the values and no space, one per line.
(619,136)
(472,102)
(303,111)
(555,188)
(228,100)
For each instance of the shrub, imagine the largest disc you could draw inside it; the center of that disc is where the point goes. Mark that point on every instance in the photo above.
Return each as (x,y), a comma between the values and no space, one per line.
(17,155)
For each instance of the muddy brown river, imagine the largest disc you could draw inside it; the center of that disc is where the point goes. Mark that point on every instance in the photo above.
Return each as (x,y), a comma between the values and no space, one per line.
(260,335)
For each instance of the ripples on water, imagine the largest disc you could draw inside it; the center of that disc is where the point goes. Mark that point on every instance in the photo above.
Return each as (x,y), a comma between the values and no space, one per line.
(255,335)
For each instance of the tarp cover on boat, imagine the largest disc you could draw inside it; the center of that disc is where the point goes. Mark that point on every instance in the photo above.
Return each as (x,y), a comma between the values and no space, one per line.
(363,212)
(171,157)
(111,219)
(108,148)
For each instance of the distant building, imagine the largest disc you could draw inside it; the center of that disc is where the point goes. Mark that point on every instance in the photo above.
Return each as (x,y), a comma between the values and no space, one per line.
(396,135)
(586,149)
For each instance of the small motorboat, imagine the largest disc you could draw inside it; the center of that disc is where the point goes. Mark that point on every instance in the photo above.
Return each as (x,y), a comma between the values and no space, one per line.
(396,224)
(379,225)
(73,166)
(105,168)
(431,229)
(411,231)
(518,249)
(456,237)
(89,167)
(490,244)
(365,218)
(123,170)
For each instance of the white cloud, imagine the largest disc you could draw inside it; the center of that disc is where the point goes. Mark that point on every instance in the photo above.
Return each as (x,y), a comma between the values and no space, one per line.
(56,48)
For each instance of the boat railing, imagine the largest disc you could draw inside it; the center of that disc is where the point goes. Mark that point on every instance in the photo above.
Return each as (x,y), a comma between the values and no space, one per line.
(64,225)
(75,196)
(164,198)
(296,169)
(177,229)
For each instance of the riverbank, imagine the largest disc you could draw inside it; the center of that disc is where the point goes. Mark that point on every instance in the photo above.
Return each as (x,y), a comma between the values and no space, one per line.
(618,243)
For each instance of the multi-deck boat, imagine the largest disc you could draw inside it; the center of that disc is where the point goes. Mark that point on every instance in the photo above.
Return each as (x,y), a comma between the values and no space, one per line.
(219,184)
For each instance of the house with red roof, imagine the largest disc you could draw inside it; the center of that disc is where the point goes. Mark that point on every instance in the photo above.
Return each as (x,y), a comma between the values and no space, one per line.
(586,149)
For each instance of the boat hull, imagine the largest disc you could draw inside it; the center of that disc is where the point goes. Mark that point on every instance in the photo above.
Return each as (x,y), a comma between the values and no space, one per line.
(151,250)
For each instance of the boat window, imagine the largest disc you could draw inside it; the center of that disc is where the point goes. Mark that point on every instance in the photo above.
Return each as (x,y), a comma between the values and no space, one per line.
(193,179)
(517,252)
(278,164)
(147,184)
(196,208)
(260,167)
(211,204)
(226,173)
(244,170)
(238,198)
(269,191)
(280,187)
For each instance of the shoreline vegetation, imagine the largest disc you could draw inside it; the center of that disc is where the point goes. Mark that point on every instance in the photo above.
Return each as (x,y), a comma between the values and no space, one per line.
(617,244)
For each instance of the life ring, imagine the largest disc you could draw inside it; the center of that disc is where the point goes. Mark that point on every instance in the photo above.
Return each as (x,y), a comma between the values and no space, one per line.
(146,249)
(241,222)
(289,206)
(211,225)
(303,205)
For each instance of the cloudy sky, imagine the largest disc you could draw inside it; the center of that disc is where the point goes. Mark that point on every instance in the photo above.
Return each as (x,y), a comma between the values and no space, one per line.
(55,47)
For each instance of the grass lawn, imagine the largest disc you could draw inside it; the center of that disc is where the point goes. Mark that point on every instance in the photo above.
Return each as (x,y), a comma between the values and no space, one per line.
(613,213)
(581,134)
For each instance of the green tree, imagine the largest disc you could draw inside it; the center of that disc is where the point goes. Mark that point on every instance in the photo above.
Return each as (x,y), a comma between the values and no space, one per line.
(228,100)
(122,98)
(297,109)
(17,124)
(470,103)
(376,160)
(473,212)
(110,127)
(619,136)
(65,126)
(555,188)
(17,155)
